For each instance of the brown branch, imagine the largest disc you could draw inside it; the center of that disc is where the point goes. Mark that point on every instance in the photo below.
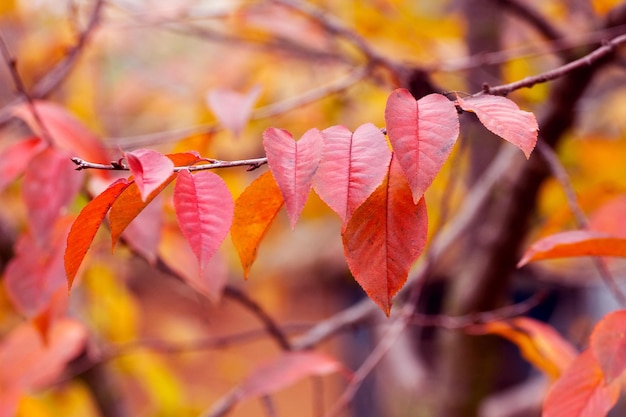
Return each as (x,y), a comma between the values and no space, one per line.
(586,61)
(252,164)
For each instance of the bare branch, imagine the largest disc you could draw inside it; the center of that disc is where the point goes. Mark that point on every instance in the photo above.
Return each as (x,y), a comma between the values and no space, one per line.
(252,164)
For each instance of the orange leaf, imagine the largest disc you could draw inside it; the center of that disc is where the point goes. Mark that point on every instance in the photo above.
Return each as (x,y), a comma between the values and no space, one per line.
(503,118)
(286,370)
(384,236)
(255,209)
(539,343)
(581,392)
(422,133)
(86,225)
(608,343)
(574,243)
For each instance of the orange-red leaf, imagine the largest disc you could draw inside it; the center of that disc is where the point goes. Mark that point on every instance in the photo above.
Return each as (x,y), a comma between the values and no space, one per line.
(15,159)
(233,109)
(151,170)
(574,243)
(384,237)
(539,343)
(608,344)
(422,134)
(609,218)
(143,234)
(285,370)
(86,225)
(581,392)
(503,118)
(352,166)
(204,209)
(66,131)
(255,209)
(293,165)
(184,158)
(48,189)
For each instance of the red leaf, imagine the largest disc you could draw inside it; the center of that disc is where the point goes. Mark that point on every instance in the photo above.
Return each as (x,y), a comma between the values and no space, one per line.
(27,363)
(384,237)
(580,392)
(36,271)
(255,210)
(422,134)
(67,132)
(15,159)
(352,166)
(151,170)
(574,243)
(204,209)
(86,225)
(184,158)
(503,118)
(143,234)
(293,165)
(48,189)
(608,343)
(609,218)
(286,370)
(233,109)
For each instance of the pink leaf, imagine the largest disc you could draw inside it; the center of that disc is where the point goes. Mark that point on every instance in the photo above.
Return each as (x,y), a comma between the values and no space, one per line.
(233,109)
(15,158)
(286,370)
(581,392)
(352,166)
(609,217)
(608,343)
(204,209)
(384,237)
(144,232)
(422,134)
(502,117)
(293,165)
(49,189)
(150,168)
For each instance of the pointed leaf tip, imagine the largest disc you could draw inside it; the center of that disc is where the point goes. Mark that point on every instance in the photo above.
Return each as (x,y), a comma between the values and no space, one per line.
(293,165)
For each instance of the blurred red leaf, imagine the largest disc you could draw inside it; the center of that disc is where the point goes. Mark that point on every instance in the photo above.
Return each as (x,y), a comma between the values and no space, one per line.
(503,118)
(580,392)
(539,343)
(384,237)
(86,225)
(36,271)
(574,243)
(143,234)
(231,108)
(15,158)
(48,189)
(293,165)
(255,210)
(204,209)
(609,218)
(352,166)
(28,363)
(286,370)
(151,170)
(66,131)
(422,134)
(608,344)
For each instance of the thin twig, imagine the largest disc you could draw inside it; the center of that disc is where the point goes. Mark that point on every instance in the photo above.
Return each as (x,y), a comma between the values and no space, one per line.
(587,60)
(252,164)
(559,172)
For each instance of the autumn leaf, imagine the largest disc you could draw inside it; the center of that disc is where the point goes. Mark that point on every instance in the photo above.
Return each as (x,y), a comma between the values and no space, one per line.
(285,370)
(86,225)
(204,209)
(581,392)
(383,238)
(539,343)
(150,169)
(293,165)
(609,217)
(232,108)
(15,158)
(143,234)
(422,134)
(608,344)
(574,243)
(352,166)
(255,210)
(502,117)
